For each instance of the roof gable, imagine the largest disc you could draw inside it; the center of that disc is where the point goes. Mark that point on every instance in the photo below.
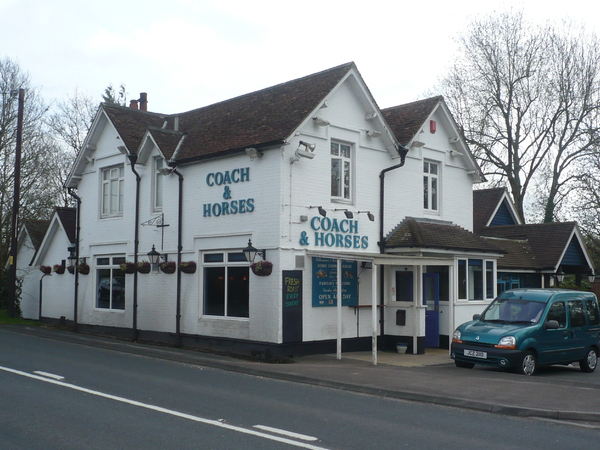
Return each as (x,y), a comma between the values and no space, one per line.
(65,218)
(493,207)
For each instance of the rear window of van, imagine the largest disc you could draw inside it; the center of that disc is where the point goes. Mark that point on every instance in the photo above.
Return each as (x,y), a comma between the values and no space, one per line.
(592,311)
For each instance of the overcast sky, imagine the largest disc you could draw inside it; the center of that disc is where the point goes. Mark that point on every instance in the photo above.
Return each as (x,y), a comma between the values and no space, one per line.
(190,53)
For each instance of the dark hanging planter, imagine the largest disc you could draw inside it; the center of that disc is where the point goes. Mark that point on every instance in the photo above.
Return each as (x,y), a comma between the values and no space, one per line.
(59,268)
(128,267)
(168,267)
(143,267)
(83,269)
(46,269)
(188,267)
(262,268)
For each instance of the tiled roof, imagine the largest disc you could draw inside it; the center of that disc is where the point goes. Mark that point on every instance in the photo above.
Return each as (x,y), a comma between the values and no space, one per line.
(259,119)
(406,120)
(518,255)
(415,233)
(36,230)
(485,202)
(547,241)
(68,218)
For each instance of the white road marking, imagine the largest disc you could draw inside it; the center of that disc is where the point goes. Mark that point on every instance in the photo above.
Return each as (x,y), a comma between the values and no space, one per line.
(49,375)
(291,434)
(164,410)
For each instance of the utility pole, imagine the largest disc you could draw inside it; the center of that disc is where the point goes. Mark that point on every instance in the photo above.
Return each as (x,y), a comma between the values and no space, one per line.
(12,294)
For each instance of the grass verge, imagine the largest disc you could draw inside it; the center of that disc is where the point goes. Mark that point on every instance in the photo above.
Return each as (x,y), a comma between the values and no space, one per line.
(4,319)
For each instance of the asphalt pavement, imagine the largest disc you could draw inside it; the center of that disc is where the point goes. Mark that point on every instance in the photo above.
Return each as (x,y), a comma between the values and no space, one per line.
(556,393)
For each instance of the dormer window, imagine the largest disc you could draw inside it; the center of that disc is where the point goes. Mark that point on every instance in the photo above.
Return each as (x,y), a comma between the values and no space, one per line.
(341,171)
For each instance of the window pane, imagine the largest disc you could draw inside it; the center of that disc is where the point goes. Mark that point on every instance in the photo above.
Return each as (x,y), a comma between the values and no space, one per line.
(558,312)
(433,169)
(462,279)
(336,175)
(426,192)
(335,149)
(118,260)
(103,261)
(425,167)
(236,257)
(489,279)
(105,198)
(213,257)
(104,288)
(214,291)
(576,313)
(346,180)
(434,194)
(345,151)
(237,292)
(118,289)
(475,279)
(592,311)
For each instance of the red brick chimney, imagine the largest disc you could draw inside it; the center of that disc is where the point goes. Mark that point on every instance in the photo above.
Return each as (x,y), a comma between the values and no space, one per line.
(143,101)
(133,104)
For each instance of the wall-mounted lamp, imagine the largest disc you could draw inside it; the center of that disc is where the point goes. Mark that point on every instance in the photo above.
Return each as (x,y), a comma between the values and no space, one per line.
(154,257)
(306,153)
(417,144)
(348,214)
(373,133)
(454,153)
(321,210)
(369,215)
(560,275)
(250,252)
(72,259)
(253,153)
(320,122)
(591,276)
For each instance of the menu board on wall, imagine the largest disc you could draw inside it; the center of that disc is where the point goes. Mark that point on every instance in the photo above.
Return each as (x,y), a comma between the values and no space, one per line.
(292,306)
(324,285)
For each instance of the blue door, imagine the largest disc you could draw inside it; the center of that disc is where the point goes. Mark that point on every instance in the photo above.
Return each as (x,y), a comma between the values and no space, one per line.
(431,299)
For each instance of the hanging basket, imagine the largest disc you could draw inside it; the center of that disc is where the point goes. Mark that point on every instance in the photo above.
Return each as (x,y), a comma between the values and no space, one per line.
(59,269)
(188,267)
(46,269)
(128,267)
(143,267)
(262,268)
(83,269)
(168,267)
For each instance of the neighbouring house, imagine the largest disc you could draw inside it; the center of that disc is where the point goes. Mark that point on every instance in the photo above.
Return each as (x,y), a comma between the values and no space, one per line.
(535,253)
(335,195)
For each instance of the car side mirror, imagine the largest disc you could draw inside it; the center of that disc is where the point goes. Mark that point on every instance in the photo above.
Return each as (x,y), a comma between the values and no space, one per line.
(476,316)
(552,325)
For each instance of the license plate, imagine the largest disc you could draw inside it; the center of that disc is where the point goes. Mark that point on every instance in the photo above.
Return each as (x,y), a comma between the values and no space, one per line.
(476,354)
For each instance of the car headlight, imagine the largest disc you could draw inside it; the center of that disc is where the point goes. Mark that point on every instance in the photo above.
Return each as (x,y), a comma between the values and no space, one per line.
(509,342)
(456,336)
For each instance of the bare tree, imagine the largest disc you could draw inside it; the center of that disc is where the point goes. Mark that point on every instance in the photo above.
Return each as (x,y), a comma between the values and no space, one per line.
(527,98)
(38,195)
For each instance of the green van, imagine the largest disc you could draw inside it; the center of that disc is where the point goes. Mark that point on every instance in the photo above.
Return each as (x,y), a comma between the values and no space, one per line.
(526,328)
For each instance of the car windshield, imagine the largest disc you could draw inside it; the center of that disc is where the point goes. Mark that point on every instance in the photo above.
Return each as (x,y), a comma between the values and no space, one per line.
(513,310)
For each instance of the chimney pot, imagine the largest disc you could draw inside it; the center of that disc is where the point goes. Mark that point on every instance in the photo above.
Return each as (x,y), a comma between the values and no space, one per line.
(143,101)
(133,104)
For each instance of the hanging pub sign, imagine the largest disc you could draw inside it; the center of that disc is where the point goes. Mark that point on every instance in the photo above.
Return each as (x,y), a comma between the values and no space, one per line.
(324,285)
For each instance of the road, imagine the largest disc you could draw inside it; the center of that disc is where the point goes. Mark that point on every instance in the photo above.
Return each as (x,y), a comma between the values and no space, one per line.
(61,395)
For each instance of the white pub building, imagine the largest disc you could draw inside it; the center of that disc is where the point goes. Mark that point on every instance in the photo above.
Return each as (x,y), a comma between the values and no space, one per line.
(358,223)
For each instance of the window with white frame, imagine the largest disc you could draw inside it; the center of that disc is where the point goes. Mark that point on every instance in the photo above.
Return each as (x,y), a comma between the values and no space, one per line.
(341,171)
(113,184)
(431,186)
(158,183)
(475,279)
(226,284)
(110,283)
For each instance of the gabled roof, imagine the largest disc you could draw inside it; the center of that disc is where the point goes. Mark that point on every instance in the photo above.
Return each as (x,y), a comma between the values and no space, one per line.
(36,229)
(65,218)
(68,218)
(488,203)
(418,233)
(406,120)
(547,242)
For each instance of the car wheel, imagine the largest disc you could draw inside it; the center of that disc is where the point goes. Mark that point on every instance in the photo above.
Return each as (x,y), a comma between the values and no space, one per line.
(464,365)
(528,364)
(589,363)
